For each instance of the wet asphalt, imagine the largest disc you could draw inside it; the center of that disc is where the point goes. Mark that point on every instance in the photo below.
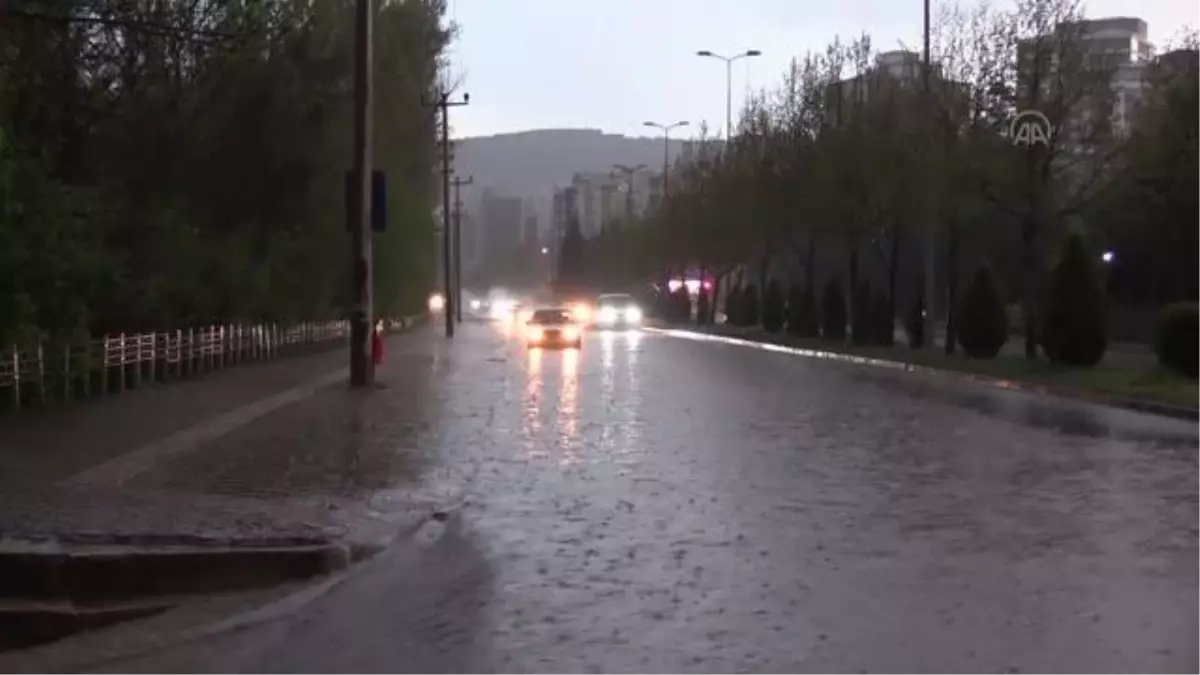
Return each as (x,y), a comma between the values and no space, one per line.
(656,504)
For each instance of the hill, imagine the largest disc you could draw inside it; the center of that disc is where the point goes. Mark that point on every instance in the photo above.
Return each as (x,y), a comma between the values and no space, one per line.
(529,164)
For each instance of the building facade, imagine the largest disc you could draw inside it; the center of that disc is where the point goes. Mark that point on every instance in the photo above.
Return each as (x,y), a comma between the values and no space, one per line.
(501,223)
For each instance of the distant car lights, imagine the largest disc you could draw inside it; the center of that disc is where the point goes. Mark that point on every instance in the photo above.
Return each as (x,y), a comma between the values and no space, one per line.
(437,302)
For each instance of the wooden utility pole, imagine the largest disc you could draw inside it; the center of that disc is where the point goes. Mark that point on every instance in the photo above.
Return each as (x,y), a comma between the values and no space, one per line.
(444,104)
(458,300)
(362,368)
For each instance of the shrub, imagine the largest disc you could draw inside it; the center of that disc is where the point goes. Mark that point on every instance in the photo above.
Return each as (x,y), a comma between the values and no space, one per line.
(810,325)
(914,320)
(833,310)
(1073,327)
(1178,336)
(884,331)
(702,308)
(749,305)
(982,317)
(773,308)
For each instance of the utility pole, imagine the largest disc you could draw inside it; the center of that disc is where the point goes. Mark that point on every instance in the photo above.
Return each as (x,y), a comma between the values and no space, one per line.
(444,103)
(931,209)
(362,367)
(458,300)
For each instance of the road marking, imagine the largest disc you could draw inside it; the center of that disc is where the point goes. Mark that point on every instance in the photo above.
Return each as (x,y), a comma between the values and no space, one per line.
(120,469)
(796,351)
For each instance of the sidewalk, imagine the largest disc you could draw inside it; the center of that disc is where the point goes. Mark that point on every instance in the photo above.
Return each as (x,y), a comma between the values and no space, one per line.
(281,449)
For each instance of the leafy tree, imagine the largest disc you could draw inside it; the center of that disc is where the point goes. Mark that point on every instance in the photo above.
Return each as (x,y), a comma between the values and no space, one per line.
(833,311)
(983,327)
(882,321)
(572,272)
(749,305)
(733,310)
(773,309)
(1073,332)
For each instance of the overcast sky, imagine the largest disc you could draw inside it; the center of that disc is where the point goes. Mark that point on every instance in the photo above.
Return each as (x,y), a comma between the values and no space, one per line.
(612,64)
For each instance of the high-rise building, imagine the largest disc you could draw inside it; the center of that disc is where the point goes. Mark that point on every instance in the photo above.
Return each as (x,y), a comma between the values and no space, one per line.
(1117,46)
(501,223)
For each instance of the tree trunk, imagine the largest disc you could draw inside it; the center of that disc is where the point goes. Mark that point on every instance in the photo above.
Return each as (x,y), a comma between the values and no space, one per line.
(1029,285)
(810,274)
(852,295)
(893,275)
(952,289)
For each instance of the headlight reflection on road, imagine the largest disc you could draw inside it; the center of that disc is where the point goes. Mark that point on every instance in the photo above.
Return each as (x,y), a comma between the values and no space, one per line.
(568,407)
(531,413)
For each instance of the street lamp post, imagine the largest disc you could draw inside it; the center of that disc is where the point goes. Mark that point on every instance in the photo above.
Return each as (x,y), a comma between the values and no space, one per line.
(666,129)
(629,171)
(729,82)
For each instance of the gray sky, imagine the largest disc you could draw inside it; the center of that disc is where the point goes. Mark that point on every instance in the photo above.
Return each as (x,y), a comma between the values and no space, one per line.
(611,64)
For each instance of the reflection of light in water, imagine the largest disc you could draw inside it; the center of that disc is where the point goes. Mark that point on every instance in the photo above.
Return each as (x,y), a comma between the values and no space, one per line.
(608,393)
(630,426)
(531,422)
(568,406)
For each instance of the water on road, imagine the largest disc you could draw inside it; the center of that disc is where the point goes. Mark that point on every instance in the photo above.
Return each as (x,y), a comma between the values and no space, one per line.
(653,504)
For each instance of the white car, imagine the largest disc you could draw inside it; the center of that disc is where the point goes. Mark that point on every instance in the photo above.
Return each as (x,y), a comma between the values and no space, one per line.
(617,311)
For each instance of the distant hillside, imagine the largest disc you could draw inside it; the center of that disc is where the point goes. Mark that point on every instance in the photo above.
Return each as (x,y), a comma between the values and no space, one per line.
(529,164)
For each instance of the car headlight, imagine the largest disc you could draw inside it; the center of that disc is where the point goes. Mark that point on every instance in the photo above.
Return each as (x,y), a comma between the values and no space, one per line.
(607,315)
(633,314)
(437,302)
(475,304)
(581,312)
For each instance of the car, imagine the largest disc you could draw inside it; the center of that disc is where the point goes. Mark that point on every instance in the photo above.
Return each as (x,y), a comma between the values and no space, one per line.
(617,310)
(553,327)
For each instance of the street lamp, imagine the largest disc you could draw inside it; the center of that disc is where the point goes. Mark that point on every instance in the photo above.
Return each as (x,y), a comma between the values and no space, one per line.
(666,129)
(629,171)
(729,81)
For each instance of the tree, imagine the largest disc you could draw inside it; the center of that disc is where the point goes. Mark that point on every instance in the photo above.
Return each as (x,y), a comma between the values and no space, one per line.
(1073,332)
(197,153)
(572,272)
(773,309)
(833,311)
(983,327)
(1035,57)
(1148,215)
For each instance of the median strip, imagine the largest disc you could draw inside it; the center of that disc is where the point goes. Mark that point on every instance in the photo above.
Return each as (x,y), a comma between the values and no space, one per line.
(1014,380)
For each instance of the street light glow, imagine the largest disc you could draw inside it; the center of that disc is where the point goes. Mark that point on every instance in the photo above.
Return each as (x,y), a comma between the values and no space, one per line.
(545,250)
(1108,256)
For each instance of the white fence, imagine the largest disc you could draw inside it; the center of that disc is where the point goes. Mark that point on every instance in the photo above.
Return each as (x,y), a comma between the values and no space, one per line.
(57,373)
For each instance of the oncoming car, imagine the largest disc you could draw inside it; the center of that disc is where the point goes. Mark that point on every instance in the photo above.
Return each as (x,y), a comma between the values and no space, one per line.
(617,310)
(554,327)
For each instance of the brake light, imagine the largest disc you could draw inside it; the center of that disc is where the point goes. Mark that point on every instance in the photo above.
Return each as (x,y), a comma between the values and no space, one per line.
(535,332)
(570,333)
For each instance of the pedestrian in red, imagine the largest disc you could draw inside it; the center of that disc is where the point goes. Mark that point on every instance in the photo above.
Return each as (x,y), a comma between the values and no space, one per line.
(377,344)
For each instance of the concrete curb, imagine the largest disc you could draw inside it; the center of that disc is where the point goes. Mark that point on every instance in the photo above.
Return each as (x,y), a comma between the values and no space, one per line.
(99,574)
(49,591)
(1137,405)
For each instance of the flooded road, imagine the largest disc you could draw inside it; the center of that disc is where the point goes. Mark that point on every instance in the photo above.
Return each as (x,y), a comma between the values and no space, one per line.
(654,504)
